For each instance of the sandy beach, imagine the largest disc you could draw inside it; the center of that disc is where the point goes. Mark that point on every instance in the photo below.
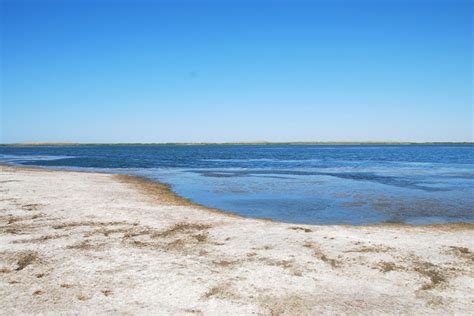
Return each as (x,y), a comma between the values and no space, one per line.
(73,242)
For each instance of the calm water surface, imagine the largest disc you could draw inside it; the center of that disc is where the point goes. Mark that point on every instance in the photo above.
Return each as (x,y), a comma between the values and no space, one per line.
(314,184)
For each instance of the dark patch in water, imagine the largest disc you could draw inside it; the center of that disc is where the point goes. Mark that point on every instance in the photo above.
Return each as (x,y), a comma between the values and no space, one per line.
(357,176)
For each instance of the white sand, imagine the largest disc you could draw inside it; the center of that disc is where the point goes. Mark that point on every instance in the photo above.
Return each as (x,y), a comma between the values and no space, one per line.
(98,243)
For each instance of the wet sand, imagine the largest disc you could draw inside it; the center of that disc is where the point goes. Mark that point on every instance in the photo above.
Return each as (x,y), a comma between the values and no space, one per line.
(74,242)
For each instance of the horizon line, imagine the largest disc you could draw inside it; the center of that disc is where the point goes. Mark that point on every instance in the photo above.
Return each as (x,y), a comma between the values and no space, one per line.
(238,143)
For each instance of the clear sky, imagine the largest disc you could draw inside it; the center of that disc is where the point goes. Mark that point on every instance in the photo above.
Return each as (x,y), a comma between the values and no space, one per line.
(166,71)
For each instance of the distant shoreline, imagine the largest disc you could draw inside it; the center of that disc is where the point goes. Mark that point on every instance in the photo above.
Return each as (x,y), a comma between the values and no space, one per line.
(234,143)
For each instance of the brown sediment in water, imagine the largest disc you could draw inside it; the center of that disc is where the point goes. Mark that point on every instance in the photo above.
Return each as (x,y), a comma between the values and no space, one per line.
(162,193)
(158,191)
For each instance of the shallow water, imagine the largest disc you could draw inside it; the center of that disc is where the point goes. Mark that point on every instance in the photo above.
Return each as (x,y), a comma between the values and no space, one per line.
(314,184)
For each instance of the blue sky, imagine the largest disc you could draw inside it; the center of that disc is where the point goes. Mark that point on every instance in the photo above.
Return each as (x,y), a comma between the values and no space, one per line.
(166,71)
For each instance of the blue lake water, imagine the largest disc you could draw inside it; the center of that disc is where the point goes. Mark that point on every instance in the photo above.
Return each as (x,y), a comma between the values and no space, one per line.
(313,184)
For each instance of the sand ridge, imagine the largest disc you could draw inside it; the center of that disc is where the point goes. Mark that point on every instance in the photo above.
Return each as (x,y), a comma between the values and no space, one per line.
(75,242)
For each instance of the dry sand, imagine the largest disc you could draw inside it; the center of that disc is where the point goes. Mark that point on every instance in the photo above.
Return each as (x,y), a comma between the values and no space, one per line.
(73,242)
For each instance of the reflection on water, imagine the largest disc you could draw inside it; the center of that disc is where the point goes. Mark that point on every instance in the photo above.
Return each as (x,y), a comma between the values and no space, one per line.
(301,184)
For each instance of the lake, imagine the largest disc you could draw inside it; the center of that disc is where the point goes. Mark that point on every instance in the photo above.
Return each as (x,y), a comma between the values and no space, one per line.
(310,184)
